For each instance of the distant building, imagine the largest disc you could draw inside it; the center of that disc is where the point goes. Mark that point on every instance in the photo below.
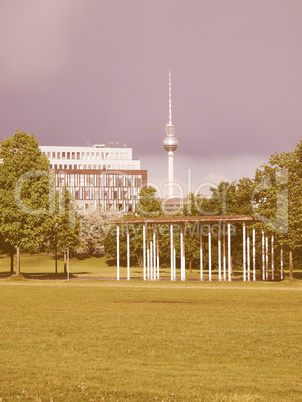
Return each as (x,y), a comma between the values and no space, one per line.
(97,175)
(172,205)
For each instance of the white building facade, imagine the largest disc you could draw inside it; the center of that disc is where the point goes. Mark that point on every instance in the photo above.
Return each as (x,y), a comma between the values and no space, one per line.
(94,157)
(105,177)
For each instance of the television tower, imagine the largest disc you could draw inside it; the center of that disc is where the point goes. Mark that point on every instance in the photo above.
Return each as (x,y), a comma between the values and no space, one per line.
(170,143)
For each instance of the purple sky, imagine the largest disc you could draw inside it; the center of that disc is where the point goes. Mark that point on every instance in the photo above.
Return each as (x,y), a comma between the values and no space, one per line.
(94,70)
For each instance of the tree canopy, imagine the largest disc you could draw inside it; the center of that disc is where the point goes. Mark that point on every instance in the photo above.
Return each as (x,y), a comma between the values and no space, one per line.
(26,194)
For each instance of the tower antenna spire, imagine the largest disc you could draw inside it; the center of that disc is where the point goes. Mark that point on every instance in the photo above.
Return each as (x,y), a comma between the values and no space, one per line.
(170,143)
(170,99)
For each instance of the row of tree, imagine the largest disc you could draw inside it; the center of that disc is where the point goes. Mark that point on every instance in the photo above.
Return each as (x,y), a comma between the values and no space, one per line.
(35,217)
(274,195)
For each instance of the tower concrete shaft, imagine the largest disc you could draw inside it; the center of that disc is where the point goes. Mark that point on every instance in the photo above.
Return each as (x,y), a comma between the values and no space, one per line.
(170,143)
(171,173)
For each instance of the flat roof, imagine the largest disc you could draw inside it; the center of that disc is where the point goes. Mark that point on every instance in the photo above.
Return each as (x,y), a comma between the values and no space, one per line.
(185,219)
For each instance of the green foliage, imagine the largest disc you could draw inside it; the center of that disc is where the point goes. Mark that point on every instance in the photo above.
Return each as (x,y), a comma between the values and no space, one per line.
(148,204)
(64,230)
(280,198)
(226,199)
(25,197)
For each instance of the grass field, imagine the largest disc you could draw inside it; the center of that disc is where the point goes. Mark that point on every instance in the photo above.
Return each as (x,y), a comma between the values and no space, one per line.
(150,341)
(43,267)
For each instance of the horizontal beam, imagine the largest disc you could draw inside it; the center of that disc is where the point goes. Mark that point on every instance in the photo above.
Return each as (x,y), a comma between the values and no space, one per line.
(185,219)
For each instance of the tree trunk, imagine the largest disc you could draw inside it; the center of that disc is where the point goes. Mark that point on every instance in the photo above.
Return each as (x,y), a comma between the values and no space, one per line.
(12,261)
(18,261)
(291,270)
(190,266)
(56,260)
(56,255)
(65,263)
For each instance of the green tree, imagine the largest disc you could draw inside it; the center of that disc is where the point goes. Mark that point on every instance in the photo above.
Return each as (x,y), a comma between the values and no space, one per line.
(279,199)
(65,228)
(25,196)
(149,204)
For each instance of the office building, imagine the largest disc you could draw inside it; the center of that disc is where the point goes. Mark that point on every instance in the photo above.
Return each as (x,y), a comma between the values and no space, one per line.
(105,177)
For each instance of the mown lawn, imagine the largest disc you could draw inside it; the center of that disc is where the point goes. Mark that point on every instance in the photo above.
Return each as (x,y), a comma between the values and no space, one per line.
(150,341)
(43,267)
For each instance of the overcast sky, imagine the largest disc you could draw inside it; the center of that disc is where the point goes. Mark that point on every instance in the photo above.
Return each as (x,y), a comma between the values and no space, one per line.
(73,71)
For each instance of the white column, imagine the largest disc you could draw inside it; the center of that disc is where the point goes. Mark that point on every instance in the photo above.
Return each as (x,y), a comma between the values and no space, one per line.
(157,252)
(254,255)
(118,252)
(154,253)
(244,255)
(174,258)
(229,253)
(272,253)
(263,259)
(170,173)
(181,253)
(144,251)
(171,252)
(219,251)
(184,253)
(128,254)
(210,253)
(151,260)
(201,253)
(248,254)
(281,262)
(224,255)
(266,257)
(148,255)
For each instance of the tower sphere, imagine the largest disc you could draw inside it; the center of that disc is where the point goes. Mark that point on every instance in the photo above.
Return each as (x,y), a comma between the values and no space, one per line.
(170,143)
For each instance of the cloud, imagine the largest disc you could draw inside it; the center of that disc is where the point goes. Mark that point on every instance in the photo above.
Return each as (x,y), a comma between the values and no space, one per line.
(73,71)
(34,43)
(196,174)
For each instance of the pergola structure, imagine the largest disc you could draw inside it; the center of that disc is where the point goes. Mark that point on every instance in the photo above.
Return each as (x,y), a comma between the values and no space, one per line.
(204,226)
